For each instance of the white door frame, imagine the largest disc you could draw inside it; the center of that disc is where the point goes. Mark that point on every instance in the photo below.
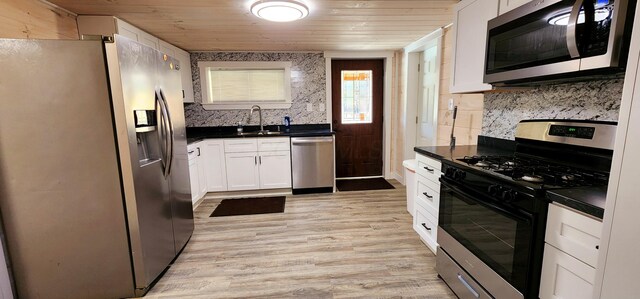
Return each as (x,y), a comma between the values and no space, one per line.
(413,85)
(387,56)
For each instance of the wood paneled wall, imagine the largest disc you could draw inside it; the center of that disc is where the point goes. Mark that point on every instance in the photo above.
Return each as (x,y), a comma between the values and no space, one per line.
(469,119)
(35,19)
(398,114)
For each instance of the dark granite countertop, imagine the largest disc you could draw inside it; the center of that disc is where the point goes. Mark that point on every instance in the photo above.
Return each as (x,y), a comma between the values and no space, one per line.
(460,151)
(196,134)
(486,146)
(590,200)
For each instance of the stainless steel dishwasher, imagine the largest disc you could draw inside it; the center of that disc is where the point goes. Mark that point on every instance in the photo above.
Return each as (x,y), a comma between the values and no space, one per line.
(312,163)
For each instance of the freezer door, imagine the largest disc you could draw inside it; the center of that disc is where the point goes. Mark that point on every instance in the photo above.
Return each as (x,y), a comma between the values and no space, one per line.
(60,190)
(147,190)
(170,86)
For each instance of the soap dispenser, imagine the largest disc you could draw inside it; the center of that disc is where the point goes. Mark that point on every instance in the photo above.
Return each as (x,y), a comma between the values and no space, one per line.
(287,123)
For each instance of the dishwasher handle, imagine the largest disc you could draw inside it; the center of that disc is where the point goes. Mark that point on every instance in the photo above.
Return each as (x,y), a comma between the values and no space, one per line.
(300,141)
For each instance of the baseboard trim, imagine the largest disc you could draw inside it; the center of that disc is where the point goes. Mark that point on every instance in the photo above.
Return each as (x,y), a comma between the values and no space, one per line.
(398,177)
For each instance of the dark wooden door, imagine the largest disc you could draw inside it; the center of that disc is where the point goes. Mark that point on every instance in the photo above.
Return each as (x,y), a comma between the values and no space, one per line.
(357,92)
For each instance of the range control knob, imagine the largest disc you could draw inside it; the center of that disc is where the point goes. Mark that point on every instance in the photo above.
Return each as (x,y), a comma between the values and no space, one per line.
(449,173)
(494,190)
(459,175)
(509,195)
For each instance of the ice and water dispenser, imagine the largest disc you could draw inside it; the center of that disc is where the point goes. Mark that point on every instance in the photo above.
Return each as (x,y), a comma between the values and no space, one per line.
(146,123)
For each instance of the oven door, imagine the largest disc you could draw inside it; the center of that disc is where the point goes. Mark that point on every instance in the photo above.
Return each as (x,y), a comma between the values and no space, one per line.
(545,38)
(500,236)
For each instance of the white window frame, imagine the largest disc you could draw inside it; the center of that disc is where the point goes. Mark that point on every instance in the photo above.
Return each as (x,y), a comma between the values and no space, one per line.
(244,65)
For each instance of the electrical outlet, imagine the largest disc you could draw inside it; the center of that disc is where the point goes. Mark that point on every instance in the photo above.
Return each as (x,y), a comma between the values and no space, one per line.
(309,107)
(451,104)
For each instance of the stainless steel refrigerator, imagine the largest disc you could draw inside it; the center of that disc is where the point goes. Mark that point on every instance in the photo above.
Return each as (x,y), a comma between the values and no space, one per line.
(94,187)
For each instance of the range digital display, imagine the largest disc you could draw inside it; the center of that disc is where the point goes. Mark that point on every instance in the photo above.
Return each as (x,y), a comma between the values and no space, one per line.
(572,131)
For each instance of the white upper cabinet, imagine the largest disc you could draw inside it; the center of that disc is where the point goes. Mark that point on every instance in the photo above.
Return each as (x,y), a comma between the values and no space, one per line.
(469,48)
(108,26)
(185,72)
(167,48)
(184,67)
(507,5)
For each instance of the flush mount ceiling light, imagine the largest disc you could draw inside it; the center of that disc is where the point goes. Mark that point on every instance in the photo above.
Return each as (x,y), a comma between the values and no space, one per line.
(279,11)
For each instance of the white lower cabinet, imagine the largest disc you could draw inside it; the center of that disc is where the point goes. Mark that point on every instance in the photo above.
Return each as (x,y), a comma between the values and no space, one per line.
(214,166)
(258,163)
(275,169)
(570,254)
(426,225)
(427,200)
(197,176)
(242,171)
(564,276)
(239,164)
(195,182)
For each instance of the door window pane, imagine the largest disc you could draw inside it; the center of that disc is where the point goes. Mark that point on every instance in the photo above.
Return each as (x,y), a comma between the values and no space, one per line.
(357,99)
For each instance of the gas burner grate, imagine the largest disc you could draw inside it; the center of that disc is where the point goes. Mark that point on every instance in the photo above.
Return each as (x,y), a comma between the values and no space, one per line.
(537,171)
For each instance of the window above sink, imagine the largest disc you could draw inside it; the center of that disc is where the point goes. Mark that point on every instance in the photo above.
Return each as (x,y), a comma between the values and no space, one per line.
(242,84)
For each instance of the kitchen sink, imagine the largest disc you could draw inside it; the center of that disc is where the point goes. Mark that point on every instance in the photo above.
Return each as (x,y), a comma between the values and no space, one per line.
(260,133)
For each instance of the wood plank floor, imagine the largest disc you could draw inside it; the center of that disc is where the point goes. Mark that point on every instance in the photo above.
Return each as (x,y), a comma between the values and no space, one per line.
(342,245)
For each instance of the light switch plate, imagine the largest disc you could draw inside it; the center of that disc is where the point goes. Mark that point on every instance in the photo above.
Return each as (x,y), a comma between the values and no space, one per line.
(321,107)
(451,104)
(309,107)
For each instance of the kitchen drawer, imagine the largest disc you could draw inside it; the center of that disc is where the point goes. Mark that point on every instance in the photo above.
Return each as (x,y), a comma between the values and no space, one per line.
(429,168)
(458,280)
(574,233)
(429,161)
(426,225)
(434,185)
(564,276)
(428,197)
(272,144)
(241,145)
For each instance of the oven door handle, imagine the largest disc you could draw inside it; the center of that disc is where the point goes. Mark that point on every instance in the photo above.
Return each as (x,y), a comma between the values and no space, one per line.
(520,215)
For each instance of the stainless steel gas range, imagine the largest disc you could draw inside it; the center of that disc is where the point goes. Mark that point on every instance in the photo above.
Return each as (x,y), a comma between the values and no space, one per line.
(493,209)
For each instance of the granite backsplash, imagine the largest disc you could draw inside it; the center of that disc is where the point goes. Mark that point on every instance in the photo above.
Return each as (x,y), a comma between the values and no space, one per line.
(308,86)
(591,100)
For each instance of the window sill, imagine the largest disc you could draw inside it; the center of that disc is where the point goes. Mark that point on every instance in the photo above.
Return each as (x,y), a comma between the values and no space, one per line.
(242,106)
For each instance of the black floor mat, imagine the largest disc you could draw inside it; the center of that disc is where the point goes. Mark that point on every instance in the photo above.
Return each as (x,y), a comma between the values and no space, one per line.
(363,184)
(250,206)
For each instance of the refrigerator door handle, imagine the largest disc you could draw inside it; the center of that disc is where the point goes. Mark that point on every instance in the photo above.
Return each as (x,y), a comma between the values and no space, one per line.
(170,133)
(162,132)
(164,115)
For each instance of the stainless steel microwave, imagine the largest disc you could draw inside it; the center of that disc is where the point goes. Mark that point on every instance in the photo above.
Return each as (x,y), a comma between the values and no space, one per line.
(558,40)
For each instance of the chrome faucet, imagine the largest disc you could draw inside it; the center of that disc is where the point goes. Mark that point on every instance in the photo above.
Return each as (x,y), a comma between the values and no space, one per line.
(254,107)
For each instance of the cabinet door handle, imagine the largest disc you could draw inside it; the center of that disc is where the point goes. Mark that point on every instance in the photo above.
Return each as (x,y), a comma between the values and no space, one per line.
(429,169)
(191,152)
(426,227)
(255,160)
(260,159)
(199,152)
(598,247)
(427,195)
